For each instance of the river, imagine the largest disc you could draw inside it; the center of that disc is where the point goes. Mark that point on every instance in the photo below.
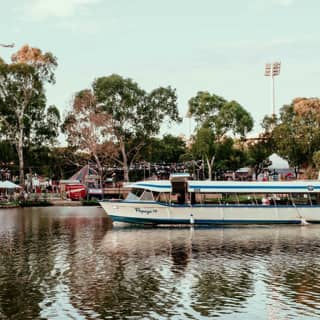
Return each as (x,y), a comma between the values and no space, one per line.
(71,263)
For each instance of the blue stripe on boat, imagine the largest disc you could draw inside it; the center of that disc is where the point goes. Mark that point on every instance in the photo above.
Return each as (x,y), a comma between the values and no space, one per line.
(196,221)
(215,205)
(228,187)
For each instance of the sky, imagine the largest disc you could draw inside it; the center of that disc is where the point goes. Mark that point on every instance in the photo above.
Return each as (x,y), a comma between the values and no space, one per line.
(213,45)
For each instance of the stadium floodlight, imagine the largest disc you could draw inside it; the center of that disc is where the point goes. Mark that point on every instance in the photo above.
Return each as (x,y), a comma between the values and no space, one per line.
(272,70)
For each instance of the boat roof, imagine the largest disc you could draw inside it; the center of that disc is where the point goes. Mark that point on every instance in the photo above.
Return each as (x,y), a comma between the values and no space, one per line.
(233,186)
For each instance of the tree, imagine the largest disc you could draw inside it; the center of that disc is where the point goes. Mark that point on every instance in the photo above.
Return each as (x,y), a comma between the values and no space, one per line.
(22,98)
(65,161)
(297,135)
(316,161)
(86,128)
(167,149)
(258,150)
(135,114)
(204,147)
(210,110)
(216,120)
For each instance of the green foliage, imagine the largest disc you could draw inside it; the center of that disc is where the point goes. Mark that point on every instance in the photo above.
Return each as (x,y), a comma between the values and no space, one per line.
(136,115)
(216,119)
(297,136)
(259,150)
(135,112)
(90,203)
(65,161)
(22,100)
(167,149)
(47,129)
(205,107)
(316,159)
(204,143)
(35,203)
(8,153)
(258,153)
(220,115)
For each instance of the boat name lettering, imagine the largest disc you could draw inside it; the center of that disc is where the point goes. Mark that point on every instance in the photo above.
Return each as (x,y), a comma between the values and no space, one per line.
(146,211)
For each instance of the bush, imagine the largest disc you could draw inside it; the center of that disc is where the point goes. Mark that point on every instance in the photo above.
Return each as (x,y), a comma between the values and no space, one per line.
(90,203)
(35,203)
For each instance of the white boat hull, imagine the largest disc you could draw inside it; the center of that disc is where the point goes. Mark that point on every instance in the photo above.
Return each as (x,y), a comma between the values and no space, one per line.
(156,213)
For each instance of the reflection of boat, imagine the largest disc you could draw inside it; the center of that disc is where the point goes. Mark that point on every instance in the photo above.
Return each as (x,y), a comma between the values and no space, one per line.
(183,201)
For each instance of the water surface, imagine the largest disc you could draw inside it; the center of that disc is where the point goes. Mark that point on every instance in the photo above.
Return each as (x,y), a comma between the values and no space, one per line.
(70,263)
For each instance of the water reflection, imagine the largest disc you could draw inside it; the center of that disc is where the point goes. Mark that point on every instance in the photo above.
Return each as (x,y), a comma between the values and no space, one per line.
(71,263)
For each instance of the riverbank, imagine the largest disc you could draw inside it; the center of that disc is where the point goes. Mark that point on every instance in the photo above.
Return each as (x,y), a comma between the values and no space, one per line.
(50,203)
(66,203)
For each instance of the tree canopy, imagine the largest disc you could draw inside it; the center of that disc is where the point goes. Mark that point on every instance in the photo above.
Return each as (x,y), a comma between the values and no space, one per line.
(86,127)
(297,134)
(22,100)
(135,114)
(222,116)
(216,120)
(167,149)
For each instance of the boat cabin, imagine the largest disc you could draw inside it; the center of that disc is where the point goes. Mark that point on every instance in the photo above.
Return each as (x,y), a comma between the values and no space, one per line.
(180,190)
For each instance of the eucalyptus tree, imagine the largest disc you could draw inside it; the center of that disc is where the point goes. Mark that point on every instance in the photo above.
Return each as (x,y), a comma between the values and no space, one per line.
(135,114)
(23,116)
(259,149)
(297,135)
(86,127)
(217,119)
(167,149)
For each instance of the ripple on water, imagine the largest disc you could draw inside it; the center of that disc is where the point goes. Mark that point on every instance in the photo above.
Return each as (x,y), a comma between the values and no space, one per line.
(70,264)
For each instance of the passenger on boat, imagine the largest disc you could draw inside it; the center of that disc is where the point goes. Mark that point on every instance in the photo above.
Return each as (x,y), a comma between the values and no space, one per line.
(265,201)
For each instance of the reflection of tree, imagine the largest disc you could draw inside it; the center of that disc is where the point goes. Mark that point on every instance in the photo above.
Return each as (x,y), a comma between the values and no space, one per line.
(126,287)
(221,289)
(77,263)
(180,254)
(136,294)
(22,268)
(31,268)
(297,280)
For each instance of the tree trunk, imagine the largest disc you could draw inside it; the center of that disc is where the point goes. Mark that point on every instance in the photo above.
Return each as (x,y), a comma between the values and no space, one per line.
(210,165)
(296,171)
(20,156)
(257,172)
(125,162)
(100,170)
(209,169)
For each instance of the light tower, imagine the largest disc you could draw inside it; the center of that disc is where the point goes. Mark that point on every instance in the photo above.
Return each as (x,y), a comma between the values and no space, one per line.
(272,70)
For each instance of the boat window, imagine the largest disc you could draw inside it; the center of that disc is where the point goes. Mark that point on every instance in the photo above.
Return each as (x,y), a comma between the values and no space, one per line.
(315,198)
(230,198)
(246,198)
(147,196)
(164,197)
(156,195)
(134,194)
(212,198)
(300,198)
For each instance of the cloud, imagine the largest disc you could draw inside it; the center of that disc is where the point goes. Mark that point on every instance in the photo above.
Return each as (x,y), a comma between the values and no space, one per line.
(44,9)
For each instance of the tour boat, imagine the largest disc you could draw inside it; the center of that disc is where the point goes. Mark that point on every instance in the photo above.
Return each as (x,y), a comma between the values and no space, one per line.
(180,201)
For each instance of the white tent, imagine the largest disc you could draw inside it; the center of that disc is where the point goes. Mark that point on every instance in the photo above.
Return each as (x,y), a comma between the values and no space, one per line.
(278,163)
(8,185)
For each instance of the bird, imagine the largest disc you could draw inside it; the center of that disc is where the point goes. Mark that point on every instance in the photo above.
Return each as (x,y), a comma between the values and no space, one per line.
(7,45)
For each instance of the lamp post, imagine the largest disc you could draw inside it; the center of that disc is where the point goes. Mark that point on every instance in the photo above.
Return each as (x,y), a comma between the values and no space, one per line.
(272,70)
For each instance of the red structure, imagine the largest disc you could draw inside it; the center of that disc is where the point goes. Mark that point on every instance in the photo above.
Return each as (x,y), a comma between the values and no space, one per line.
(75,191)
